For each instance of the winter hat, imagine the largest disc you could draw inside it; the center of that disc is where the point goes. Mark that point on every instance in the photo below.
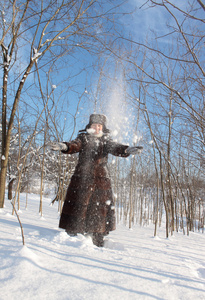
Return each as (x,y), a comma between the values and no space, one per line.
(98,119)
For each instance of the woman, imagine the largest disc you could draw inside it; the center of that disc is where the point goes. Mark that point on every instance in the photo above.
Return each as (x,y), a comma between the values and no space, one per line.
(89,205)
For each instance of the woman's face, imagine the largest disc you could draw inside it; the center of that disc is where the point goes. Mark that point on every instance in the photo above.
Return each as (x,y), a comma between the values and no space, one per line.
(97,127)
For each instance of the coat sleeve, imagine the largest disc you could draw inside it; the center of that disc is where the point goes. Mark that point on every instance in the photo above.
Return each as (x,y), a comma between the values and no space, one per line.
(116,148)
(74,146)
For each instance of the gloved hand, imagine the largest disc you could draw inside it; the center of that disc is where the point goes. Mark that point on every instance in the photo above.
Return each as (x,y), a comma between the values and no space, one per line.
(57,146)
(134,150)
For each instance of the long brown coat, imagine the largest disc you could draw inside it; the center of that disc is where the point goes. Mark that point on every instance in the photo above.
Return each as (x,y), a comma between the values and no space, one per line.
(89,205)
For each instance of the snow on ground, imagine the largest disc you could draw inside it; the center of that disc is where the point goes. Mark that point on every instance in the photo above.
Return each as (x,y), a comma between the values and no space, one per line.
(132,265)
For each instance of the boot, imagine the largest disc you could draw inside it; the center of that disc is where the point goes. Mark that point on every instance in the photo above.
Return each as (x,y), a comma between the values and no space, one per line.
(71,233)
(98,239)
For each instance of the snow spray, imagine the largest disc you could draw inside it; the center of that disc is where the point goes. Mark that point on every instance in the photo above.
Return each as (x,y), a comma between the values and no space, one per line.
(121,118)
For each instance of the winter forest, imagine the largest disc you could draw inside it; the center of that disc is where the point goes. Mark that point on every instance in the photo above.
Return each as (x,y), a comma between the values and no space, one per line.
(141,63)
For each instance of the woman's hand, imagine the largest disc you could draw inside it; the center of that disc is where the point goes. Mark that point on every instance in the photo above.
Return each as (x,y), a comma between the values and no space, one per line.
(134,150)
(57,146)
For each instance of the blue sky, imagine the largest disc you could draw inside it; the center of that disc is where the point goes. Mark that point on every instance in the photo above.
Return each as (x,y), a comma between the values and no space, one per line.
(139,26)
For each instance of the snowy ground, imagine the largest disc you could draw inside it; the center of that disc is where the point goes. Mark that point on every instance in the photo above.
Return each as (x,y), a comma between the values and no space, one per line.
(132,265)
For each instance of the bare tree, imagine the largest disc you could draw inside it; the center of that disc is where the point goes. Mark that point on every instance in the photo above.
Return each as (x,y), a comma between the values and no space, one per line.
(41,32)
(171,75)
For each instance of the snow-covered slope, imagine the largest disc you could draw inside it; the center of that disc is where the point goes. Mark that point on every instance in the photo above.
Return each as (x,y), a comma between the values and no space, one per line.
(132,265)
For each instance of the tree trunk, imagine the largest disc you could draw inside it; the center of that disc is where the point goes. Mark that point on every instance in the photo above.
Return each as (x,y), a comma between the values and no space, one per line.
(6,138)
(156,208)
(164,200)
(3,181)
(10,188)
